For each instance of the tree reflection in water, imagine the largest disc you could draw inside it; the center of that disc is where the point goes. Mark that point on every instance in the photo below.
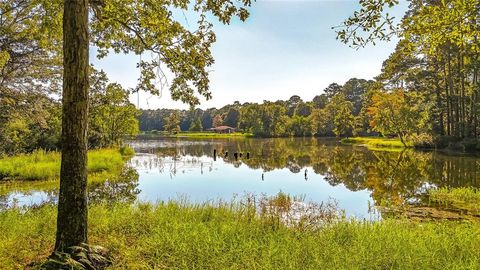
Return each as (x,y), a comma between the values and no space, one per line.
(121,188)
(392,177)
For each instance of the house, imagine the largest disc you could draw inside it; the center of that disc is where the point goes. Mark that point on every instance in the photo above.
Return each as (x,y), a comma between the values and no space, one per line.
(223,129)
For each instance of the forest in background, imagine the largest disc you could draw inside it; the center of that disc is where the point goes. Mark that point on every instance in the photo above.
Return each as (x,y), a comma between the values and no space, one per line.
(292,117)
(427,90)
(31,119)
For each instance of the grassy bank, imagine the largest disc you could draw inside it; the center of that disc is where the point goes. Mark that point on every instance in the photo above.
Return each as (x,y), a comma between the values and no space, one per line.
(41,165)
(465,198)
(377,142)
(196,135)
(462,203)
(446,144)
(182,236)
(213,135)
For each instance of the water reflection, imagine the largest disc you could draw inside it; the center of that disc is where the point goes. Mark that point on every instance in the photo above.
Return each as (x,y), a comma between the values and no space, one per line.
(319,169)
(121,188)
(390,177)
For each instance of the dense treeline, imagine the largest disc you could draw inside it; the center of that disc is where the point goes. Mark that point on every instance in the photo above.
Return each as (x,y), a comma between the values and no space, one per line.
(359,107)
(197,118)
(31,119)
(428,89)
(335,112)
(437,62)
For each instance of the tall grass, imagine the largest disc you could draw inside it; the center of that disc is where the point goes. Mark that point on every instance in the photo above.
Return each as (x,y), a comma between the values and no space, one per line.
(182,236)
(42,165)
(463,198)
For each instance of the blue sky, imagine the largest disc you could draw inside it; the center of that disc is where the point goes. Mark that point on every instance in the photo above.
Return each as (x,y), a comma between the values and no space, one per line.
(284,48)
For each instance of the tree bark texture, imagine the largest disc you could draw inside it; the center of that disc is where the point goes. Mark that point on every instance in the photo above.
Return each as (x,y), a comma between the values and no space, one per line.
(72,202)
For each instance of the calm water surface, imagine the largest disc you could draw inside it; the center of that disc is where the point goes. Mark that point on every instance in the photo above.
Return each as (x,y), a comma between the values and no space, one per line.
(318,169)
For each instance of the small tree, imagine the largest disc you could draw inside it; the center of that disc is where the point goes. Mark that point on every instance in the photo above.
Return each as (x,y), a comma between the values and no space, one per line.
(232,117)
(196,125)
(321,122)
(344,121)
(341,111)
(172,123)
(251,119)
(112,116)
(299,126)
(217,120)
(391,114)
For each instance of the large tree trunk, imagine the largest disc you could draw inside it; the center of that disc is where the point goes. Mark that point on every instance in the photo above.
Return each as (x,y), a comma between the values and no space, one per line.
(72,202)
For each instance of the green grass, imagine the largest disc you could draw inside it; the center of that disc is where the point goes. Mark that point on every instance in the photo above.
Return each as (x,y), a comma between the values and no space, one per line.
(183,236)
(199,135)
(42,165)
(465,198)
(213,135)
(29,187)
(377,143)
(126,151)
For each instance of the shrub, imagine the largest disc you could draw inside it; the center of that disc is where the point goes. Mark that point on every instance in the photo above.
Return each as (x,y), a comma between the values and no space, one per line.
(127,151)
(423,141)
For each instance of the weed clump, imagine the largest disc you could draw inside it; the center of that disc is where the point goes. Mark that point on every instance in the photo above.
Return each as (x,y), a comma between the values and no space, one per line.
(464,198)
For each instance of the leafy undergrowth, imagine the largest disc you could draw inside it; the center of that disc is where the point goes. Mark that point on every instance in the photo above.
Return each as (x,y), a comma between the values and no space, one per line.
(42,165)
(377,143)
(178,235)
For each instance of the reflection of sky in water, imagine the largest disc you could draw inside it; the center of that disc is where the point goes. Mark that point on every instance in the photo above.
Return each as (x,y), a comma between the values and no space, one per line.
(19,199)
(200,179)
(173,168)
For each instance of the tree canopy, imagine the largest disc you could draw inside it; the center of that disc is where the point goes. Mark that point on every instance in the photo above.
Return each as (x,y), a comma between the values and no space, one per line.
(31,34)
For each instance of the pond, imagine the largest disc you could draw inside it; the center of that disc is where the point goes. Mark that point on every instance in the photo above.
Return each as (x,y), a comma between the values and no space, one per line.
(318,170)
